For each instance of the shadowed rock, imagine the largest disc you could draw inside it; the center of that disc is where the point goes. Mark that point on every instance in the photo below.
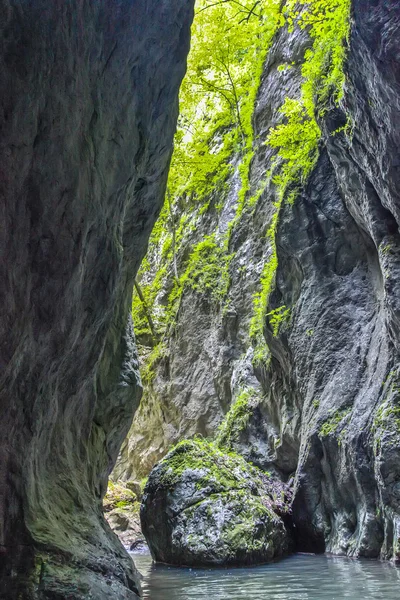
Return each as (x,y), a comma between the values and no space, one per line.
(202,507)
(88,106)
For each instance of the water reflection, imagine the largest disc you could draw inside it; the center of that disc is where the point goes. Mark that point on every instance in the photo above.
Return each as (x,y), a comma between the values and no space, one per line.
(297,578)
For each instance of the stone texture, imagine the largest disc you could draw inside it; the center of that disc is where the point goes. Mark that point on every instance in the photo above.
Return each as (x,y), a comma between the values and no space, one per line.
(348,481)
(88,106)
(121,509)
(326,409)
(202,507)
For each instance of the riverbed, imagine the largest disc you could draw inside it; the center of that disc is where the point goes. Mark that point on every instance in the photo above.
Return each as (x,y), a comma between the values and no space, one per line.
(300,577)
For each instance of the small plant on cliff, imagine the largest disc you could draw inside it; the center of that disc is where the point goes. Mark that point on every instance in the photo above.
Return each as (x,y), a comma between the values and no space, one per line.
(207,270)
(158,352)
(237,418)
(261,298)
(387,416)
(278,317)
(332,423)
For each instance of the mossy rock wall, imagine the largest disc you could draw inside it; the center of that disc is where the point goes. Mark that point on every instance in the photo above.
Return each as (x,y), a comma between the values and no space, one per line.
(313,396)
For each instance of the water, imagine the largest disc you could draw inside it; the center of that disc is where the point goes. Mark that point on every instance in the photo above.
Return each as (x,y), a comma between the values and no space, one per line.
(299,577)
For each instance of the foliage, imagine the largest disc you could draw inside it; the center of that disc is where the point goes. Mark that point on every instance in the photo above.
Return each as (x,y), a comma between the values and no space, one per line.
(261,298)
(151,360)
(218,93)
(387,417)
(297,137)
(150,292)
(331,425)
(329,25)
(387,414)
(143,483)
(237,418)
(229,44)
(207,270)
(230,40)
(278,317)
(297,140)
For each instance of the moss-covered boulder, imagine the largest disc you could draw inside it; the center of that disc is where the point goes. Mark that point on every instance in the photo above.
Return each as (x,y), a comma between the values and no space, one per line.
(204,507)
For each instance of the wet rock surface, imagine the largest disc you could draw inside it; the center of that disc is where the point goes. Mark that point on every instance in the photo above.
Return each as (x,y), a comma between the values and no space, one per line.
(203,507)
(325,409)
(88,107)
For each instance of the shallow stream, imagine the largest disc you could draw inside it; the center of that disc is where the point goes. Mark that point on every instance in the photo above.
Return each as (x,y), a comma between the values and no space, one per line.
(300,577)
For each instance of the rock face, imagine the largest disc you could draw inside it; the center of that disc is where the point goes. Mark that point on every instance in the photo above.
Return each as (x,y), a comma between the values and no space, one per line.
(325,408)
(88,106)
(202,507)
(348,476)
(121,509)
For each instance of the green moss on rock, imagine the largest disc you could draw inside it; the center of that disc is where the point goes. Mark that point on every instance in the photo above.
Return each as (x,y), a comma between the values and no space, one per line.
(332,424)
(237,418)
(203,506)
(219,468)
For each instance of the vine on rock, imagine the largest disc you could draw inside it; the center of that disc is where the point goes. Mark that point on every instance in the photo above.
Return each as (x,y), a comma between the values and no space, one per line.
(298,137)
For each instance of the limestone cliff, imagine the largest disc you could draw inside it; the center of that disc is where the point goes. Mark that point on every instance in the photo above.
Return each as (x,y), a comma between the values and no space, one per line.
(88,108)
(321,406)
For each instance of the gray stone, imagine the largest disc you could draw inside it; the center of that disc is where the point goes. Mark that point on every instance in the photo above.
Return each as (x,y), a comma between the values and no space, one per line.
(203,507)
(326,408)
(88,107)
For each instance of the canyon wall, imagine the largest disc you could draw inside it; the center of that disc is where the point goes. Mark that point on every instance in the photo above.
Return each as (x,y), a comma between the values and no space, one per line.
(88,109)
(320,406)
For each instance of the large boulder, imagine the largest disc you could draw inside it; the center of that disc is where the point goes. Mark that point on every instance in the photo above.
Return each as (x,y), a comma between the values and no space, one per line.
(204,507)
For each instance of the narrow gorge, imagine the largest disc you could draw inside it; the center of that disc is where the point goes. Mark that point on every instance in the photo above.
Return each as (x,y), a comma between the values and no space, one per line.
(199,334)
(274,294)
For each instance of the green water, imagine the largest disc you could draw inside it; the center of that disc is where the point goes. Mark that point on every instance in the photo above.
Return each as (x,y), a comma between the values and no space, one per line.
(300,577)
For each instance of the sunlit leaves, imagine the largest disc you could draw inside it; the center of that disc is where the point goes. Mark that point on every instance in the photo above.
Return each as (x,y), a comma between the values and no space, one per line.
(297,138)
(229,41)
